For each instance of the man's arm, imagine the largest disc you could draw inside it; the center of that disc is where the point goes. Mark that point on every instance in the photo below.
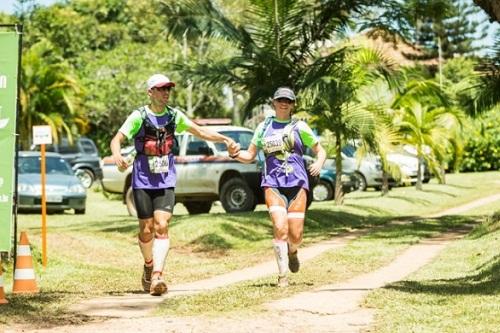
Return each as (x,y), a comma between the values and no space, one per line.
(207,134)
(115,146)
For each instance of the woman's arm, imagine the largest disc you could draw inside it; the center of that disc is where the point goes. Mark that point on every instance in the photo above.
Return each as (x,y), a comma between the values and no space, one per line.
(320,153)
(246,156)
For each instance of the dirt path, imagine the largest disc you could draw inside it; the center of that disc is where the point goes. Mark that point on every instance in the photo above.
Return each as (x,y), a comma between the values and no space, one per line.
(331,308)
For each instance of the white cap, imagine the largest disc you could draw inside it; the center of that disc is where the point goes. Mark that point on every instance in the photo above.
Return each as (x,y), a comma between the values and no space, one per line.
(159,80)
(284,92)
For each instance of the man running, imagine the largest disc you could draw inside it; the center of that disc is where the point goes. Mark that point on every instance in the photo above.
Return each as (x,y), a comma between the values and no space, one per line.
(152,128)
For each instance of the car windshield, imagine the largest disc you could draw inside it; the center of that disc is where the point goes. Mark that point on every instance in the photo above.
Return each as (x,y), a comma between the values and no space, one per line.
(242,137)
(54,165)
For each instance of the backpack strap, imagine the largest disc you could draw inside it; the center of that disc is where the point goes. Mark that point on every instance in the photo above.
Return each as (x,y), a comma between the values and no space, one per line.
(288,137)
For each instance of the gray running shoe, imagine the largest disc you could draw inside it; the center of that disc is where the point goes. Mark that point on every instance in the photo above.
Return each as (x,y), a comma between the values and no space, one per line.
(158,287)
(282,281)
(146,278)
(293,262)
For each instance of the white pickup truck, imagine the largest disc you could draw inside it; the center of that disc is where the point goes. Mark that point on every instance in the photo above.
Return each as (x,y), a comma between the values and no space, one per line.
(205,173)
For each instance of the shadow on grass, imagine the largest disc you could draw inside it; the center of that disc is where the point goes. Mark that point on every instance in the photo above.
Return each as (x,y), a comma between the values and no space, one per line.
(411,200)
(210,242)
(32,310)
(485,282)
(425,190)
(417,227)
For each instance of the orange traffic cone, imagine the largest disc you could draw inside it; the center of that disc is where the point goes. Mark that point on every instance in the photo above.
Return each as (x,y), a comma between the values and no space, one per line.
(3,300)
(24,274)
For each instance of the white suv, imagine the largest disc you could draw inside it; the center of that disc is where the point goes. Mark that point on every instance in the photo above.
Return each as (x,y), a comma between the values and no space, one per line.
(205,173)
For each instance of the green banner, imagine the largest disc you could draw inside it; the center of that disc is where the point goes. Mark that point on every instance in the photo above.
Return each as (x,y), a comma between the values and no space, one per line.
(9,58)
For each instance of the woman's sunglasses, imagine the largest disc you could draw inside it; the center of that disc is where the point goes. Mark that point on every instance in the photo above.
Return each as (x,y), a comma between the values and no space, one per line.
(284,100)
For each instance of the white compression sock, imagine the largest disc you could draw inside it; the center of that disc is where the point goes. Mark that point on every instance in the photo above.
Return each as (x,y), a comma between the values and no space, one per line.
(281,252)
(160,251)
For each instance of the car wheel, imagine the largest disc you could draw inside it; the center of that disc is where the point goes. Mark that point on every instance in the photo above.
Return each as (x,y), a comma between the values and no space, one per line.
(322,191)
(129,202)
(85,176)
(236,196)
(80,211)
(198,207)
(360,182)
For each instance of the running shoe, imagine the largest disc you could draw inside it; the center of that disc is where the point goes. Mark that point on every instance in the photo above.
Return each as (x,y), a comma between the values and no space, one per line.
(158,287)
(282,281)
(293,262)
(146,278)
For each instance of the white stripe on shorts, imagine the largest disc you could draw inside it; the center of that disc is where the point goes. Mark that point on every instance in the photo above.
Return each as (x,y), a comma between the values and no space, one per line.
(296,215)
(274,209)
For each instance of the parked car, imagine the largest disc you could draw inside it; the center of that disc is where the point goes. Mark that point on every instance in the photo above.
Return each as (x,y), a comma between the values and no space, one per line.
(63,189)
(369,169)
(324,189)
(205,173)
(83,157)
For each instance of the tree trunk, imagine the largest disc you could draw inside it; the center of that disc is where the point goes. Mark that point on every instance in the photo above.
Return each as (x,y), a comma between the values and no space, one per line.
(443,175)
(491,7)
(339,194)
(418,186)
(385,182)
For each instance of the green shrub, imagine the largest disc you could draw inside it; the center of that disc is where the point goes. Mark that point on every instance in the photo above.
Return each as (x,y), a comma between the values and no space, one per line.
(482,148)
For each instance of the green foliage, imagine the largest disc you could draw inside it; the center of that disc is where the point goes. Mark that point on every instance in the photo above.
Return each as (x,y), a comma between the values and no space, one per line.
(50,94)
(482,148)
(275,47)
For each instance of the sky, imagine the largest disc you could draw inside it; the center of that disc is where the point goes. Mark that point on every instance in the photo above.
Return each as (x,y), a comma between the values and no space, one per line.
(9,6)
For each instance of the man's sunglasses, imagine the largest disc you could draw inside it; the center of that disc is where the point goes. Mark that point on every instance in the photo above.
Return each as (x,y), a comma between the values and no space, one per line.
(284,100)
(164,88)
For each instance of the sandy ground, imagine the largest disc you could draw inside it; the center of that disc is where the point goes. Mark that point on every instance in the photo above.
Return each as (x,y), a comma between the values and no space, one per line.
(330,308)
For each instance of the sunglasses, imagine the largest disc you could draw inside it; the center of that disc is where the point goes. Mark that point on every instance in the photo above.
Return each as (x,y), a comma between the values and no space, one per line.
(164,88)
(284,100)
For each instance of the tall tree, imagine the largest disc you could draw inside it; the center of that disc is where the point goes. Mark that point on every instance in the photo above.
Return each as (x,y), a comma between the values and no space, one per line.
(491,7)
(276,45)
(333,99)
(50,94)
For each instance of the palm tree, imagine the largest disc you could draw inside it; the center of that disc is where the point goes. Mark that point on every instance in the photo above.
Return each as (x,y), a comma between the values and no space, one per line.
(484,92)
(333,98)
(275,46)
(49,94)
(427,128)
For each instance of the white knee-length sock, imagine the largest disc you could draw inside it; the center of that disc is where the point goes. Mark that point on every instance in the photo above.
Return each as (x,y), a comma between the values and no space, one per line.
(281,252)
(160,251)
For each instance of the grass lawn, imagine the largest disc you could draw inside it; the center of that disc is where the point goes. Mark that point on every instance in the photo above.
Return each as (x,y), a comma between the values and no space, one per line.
(457,292)
(97,254)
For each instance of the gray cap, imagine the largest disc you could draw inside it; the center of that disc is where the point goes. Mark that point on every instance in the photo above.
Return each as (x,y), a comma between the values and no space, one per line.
(284,92)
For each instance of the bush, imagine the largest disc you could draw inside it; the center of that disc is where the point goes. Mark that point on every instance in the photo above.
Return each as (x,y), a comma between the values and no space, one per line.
(482,148)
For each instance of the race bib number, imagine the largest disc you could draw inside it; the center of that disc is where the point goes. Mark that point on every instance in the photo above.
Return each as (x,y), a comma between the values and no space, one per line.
(273,144)
(158,164)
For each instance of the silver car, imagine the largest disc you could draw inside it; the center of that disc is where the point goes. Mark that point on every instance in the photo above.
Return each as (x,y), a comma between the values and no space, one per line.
(369,169)
(63,190)
(205,173)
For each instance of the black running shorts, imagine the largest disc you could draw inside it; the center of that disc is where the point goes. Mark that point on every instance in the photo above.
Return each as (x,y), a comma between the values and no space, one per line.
(147,201)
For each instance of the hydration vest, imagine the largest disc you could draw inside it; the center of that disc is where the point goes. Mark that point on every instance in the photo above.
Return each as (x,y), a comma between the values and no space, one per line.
(287,136)
(155,141)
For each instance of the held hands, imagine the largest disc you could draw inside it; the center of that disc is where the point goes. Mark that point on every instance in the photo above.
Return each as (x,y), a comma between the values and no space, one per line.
(315,168)
(233,148)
